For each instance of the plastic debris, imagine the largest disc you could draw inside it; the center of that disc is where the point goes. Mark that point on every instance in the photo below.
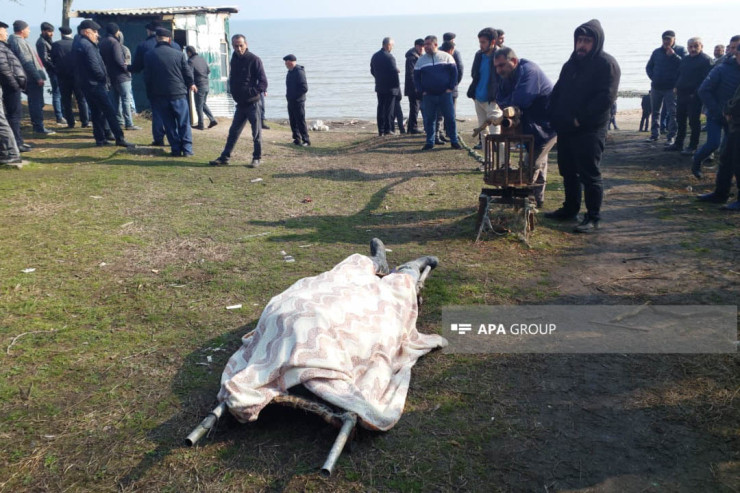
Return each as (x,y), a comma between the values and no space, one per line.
(234,307)
(256,180)
(102,264)
(96,197)
(29,270)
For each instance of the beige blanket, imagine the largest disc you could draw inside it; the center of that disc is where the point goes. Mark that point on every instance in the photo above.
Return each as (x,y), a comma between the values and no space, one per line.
(347,335)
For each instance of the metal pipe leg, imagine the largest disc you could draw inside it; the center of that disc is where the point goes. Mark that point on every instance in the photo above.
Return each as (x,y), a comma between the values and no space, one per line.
(350,420)
(205,425)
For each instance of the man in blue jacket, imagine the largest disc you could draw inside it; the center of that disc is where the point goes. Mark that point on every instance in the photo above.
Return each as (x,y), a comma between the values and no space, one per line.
(168,78)
(296,88)
(93,79)
(662,69)
(525,86)
(435,77)
(247,80)
(717,90)
(387,85)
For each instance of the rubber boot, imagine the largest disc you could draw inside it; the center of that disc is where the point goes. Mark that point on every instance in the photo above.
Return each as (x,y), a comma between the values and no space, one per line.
(414,268)
(377,255)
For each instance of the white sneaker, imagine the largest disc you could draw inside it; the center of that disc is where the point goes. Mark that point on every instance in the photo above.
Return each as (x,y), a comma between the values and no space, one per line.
(254,164)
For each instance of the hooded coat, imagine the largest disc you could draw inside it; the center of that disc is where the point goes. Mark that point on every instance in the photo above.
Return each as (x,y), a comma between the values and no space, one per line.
(408,84)
(587,87)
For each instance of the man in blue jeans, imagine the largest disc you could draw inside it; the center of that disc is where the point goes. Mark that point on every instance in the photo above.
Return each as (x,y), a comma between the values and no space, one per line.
(715,91)
(435,78)
(247,80)
(662,69)
(43,47)
(111,50)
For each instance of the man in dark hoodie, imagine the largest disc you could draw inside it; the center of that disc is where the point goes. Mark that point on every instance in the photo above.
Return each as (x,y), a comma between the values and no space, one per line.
(408,87)
(691,73)
(662,69)
(43,48)
(201,72)
(247,80)
(387,85)
(120,78)
(63,58)
(296,88)
(580,105)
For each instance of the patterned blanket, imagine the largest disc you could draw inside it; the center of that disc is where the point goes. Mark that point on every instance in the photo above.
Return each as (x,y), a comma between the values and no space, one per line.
(348,336)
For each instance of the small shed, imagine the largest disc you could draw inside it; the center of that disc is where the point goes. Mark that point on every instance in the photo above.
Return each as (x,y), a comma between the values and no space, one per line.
(205,28)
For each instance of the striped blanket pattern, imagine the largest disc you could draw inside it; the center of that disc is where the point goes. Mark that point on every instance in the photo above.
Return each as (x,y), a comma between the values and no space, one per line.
(348,336)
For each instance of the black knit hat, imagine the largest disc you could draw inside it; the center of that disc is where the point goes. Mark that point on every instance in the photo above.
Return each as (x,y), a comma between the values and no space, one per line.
(65,30)
(669,34)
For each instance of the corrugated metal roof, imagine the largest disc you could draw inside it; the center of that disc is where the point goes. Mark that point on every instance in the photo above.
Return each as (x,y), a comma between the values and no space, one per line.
(155,11)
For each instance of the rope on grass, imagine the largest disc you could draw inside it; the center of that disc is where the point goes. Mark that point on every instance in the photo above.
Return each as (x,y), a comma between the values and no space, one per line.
(25,334)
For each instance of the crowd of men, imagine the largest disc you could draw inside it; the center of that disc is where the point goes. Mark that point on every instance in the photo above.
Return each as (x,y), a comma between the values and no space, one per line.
(575,111)
(685,82)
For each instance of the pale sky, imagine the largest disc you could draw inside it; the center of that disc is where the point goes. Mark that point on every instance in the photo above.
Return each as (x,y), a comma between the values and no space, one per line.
(35,11)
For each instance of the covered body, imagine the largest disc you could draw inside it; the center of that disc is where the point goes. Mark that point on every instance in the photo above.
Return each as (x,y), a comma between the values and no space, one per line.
(347,335)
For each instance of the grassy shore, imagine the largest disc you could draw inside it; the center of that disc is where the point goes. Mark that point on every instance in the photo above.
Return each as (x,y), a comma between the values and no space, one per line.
(113,346)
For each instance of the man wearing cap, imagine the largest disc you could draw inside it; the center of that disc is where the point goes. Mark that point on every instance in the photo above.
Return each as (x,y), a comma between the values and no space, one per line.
(137,66)
(408,87)
(662,69)
(13,78)
(168,79)
(93,79)
(35,75)
(111,51)
(12,81)
(296,88)
(63,59)
(201,71)
(247,80)
(580,106)
(43,47)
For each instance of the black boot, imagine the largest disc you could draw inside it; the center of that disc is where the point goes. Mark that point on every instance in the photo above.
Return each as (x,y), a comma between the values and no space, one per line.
(377,255)
(416,267)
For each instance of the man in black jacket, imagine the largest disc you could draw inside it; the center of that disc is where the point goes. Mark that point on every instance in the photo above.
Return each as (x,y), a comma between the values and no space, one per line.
(408,87)
(387,85)
(201,71)
(137,66)
(247,80)
(93,79)
(296,88)
(120,78)
(662,69)
(13,81)
(63,58)
(691,73)
(43,48)
(580,105)
(484,87)
(168,78)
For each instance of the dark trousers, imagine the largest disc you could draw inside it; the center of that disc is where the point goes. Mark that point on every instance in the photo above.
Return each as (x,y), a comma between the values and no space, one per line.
(245,112)
(56,97)
(579,156)
(201,107)
(729,165)
(386,103)
(102,112)
(67,87)
(13,112)
(431,105)
(35,95)
(297,115)
(175,115)
(645,121)
(397,116)
(414,107)
(688,106)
